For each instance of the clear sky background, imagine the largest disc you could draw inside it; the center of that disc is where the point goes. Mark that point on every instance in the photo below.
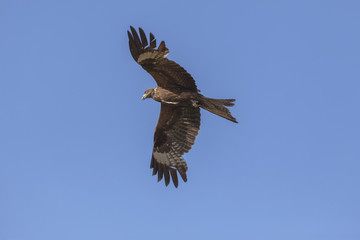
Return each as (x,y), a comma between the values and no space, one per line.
(76,140)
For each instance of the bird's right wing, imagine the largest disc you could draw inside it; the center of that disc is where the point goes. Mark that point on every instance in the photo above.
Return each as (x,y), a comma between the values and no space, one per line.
(166,73)
(174,135)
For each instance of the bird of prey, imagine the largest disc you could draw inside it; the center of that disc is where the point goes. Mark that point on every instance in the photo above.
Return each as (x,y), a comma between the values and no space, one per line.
(179,120)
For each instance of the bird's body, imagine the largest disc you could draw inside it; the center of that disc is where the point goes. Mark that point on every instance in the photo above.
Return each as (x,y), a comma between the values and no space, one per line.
(179,120)
(175,96)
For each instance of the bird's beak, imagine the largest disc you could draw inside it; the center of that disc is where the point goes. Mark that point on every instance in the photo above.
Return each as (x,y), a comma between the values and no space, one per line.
(143,97)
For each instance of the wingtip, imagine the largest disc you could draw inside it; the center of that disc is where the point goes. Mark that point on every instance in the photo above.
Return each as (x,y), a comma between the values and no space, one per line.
(174,177)
(182,171)
(162,47)
(129,35)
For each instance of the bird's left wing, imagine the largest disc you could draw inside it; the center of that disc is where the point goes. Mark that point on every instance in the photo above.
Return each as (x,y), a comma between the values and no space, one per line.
(174,135)
(166,73)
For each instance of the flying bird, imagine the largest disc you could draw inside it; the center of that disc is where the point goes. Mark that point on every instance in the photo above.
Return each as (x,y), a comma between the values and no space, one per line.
(179,120)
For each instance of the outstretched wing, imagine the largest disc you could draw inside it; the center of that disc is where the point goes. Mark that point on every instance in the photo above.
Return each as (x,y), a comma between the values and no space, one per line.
(166,73)
(174,135)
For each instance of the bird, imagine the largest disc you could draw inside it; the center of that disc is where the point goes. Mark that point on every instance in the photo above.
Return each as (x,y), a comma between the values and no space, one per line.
(179,120)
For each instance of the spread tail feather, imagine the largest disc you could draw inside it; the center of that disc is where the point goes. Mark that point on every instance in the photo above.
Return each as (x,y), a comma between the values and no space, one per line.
(218,107)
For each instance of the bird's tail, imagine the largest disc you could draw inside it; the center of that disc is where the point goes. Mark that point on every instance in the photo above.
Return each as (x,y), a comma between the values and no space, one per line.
(218,107)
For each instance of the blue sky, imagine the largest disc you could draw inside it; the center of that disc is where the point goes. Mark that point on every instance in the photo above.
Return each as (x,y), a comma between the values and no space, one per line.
(76,140)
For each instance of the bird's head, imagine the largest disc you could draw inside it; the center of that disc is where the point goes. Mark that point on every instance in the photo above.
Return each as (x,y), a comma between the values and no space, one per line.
(148,93)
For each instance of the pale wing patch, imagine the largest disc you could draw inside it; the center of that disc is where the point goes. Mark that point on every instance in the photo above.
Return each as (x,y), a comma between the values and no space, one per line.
(161,157)
(171,102)
(151,55)
(170,158)
(146,55)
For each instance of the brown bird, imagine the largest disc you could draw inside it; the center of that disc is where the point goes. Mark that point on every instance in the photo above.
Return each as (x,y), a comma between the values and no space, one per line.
(179,120)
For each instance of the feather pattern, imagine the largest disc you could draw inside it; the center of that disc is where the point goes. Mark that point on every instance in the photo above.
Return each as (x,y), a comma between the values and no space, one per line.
(175,134)
(166,73)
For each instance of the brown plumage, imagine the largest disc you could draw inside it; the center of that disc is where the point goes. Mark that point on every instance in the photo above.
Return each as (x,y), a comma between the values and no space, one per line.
(179,120)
